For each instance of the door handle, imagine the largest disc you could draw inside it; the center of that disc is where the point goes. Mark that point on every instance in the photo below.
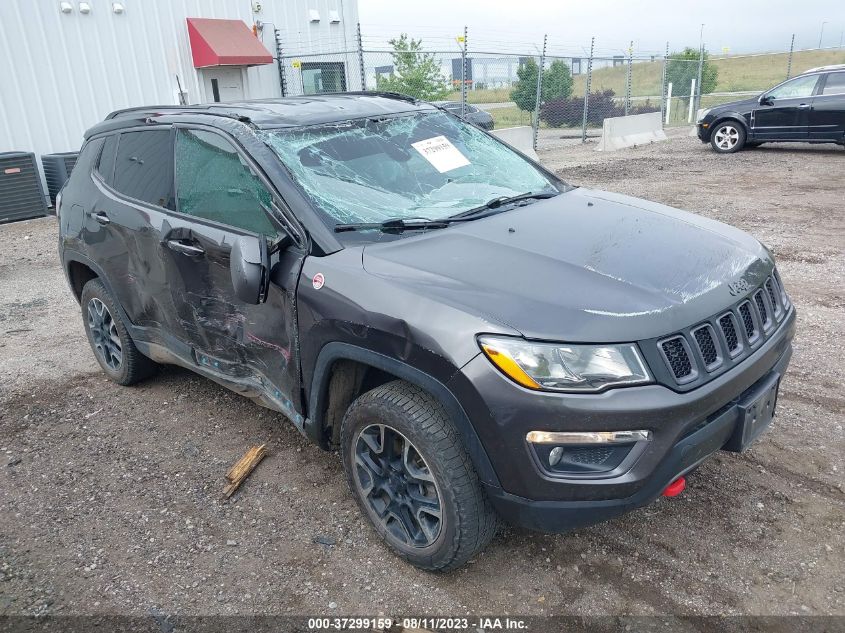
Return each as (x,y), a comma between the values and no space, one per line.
(100,217)
(190,250)
(803,106)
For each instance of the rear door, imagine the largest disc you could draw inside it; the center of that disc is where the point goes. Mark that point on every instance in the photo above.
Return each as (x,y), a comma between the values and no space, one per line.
(784,113)
(827,116)
(135,181)
(221,195)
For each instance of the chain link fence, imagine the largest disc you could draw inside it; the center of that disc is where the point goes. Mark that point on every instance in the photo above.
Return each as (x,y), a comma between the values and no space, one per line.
(569,99)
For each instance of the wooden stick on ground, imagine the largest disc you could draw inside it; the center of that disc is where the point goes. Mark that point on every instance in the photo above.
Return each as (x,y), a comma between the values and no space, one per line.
(241,470)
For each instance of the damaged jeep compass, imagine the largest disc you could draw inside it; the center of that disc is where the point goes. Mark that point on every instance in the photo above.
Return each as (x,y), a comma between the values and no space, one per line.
(479,340)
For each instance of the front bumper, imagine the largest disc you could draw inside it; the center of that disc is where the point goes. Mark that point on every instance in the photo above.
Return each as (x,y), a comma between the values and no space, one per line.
(703,132)
(686,428)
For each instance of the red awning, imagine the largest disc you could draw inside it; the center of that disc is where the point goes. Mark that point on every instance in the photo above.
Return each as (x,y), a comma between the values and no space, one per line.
(225,43)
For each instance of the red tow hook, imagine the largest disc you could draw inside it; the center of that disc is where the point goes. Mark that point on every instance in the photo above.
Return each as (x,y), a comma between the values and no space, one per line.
(675,488)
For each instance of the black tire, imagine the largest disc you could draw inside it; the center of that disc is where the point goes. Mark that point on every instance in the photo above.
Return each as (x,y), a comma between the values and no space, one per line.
(119,358)
(727,137)
(404,412)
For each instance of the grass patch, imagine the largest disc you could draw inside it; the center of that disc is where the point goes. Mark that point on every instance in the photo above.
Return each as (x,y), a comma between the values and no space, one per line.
(736,74)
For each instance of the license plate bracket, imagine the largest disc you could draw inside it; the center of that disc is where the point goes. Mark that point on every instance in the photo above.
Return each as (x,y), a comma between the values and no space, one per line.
(755,415)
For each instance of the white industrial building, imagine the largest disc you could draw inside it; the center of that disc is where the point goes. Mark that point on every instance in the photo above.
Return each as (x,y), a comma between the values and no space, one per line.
(64,65)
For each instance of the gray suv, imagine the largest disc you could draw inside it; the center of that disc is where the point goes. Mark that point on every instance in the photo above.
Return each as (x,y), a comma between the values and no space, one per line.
(478,339)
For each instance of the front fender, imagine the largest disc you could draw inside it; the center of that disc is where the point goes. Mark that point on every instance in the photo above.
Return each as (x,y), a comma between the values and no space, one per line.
(335,351)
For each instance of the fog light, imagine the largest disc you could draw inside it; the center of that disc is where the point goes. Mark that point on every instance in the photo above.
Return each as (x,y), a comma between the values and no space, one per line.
(555,455)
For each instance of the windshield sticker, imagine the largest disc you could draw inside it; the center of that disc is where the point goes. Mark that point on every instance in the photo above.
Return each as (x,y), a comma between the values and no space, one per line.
(440,152)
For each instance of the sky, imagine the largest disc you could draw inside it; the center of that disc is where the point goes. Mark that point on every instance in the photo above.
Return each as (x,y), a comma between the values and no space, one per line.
(518,25)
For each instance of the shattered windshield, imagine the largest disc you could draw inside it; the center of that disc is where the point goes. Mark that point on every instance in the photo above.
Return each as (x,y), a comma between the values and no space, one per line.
(423,166)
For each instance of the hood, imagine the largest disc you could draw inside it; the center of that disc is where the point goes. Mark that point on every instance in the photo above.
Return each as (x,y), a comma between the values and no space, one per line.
(743,106)
(584,266)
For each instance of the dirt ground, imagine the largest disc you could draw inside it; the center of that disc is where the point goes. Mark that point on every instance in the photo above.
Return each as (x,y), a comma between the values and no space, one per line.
(111,496)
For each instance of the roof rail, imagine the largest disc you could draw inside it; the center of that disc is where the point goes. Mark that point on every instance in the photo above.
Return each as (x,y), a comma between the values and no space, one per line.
(387,95)
(819,69)
(155,109)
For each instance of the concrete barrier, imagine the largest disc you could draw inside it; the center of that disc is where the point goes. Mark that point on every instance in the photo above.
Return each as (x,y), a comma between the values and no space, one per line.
(627,131)
(521,138)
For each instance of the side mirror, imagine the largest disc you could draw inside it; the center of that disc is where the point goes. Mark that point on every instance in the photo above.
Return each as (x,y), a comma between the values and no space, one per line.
(764,100)
(249,263)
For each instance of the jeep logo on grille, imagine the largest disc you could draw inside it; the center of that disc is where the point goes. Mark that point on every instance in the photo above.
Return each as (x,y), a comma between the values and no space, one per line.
(739,287)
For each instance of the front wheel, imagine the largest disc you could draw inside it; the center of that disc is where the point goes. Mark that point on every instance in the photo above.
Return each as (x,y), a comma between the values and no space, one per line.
(727,137)
(412,478)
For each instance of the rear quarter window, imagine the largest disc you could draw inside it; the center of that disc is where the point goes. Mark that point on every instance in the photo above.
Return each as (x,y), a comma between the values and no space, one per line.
(105,165)
(835,84)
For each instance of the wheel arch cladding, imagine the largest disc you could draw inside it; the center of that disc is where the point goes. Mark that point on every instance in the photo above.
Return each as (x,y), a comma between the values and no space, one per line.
(731,116)
(381,368)
(78,275)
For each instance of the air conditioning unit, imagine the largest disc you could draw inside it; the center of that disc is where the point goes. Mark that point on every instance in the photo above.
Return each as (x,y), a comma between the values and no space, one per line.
(21,192)
(57,168)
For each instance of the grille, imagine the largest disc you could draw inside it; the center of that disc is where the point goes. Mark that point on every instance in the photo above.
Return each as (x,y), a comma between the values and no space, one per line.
(589,455)
(771,284)
(747,321)
(726,323)
(677,357)
(761,306)
(724,340)
(707,346)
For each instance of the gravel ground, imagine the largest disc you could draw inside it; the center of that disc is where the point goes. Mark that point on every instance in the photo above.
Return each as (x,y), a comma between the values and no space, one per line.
(112,503)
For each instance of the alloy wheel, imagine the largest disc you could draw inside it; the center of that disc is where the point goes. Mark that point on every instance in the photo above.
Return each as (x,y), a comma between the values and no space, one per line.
(398,486)
(726,137)
(104,333)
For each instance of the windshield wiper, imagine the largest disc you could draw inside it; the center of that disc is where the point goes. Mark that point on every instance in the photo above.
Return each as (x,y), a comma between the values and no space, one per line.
(501,201)
(416,224)
(394,225)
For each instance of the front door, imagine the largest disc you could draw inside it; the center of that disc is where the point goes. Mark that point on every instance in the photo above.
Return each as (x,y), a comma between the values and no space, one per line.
(827,116)
(223,83)
(783,112)
(220,197)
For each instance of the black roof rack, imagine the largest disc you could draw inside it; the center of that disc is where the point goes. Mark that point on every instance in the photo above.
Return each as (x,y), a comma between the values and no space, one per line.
(205,108)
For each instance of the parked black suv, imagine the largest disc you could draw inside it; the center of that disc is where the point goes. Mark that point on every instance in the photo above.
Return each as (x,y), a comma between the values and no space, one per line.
(809,108)
(477,338)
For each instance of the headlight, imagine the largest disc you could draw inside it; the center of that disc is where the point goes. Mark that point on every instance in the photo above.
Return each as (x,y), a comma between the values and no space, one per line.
(702,115)
(564,367)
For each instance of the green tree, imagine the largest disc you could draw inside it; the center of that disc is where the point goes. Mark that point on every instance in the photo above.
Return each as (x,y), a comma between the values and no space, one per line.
(682,68)
(557,84)
(415,73)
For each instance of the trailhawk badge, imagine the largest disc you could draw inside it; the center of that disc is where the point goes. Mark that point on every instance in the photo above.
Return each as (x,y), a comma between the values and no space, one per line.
(318,281)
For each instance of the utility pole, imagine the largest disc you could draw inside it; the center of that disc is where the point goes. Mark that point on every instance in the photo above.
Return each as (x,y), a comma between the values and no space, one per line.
(587,88)
(821,33)
(361,58)
(697,99)
(628,78)
(464,76)
(283,85)
(663,103)
(539,93)
(789,63)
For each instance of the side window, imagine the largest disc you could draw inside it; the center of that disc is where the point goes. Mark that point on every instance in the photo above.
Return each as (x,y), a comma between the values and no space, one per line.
(105,166)
(143,167)
(835,84)
(212,182)
(795,89)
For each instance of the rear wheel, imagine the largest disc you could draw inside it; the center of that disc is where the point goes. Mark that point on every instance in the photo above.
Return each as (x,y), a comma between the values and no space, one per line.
(412,478)
(110,341)
(727,137)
